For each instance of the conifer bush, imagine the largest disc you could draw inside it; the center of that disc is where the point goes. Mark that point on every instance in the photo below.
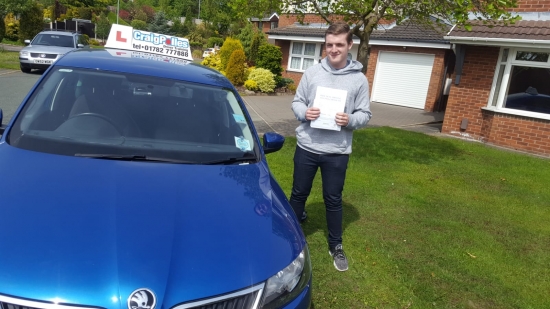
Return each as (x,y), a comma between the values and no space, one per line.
(229,45)
(264,79)
(236,67)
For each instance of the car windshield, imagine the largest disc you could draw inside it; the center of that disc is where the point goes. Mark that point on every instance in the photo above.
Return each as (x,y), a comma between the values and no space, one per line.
(53,40)
(87,113)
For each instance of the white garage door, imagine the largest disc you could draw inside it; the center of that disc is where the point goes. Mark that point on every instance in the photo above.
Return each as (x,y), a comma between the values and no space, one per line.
(402,78)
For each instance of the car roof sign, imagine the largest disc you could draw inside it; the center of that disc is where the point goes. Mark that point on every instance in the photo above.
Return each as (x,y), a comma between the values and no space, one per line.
(128,38)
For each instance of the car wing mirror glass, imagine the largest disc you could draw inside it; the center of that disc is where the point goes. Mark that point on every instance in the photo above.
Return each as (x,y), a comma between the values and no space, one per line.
(273,142)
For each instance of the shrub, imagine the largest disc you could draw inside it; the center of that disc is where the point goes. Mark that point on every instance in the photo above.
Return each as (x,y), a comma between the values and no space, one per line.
(2,29)
(258,40)
(264,78)
(270,57)
(138,24)
(229,45)
(236,67)
(31,22)
(284,82)
(197,54)
(12,27)
(251,85)
(214,41)
(213,61)
(94,42)
(292,88)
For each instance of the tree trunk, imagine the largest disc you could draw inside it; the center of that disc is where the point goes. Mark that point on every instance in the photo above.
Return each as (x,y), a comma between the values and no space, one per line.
(363,53)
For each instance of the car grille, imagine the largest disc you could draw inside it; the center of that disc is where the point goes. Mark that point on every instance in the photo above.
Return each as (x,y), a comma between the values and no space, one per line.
(244,299)
(8,302)
(48,56)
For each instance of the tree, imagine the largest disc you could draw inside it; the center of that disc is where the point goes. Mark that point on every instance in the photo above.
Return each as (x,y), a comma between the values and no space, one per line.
(103,26)
(364,15)
(159,24)
(31,23)
(2,28)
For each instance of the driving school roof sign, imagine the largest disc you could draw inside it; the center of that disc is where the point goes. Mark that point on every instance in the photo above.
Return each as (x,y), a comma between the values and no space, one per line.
(128,38)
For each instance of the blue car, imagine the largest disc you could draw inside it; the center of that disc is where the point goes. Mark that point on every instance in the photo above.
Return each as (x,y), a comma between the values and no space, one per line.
(136,181)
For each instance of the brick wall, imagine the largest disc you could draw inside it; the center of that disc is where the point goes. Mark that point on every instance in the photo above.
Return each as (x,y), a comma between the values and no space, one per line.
(532,6)
(436,80)
(467,99)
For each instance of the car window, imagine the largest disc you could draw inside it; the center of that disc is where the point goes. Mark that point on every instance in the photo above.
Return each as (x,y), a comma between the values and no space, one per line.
(54,40)
(76,111)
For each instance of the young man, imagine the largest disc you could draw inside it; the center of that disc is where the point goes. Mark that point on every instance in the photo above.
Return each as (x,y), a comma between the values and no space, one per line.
(331,101)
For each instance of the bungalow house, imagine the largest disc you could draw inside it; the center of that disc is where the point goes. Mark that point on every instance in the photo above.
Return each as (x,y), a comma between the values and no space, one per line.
(408,64)
(500,92)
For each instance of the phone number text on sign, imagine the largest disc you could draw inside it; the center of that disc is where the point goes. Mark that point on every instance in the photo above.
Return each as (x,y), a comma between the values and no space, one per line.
(161,50)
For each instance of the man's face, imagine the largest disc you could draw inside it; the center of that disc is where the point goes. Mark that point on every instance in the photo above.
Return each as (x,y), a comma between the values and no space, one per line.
(337,47)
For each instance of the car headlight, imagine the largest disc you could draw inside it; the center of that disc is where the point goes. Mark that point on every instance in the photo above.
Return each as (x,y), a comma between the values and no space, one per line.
(288,283)
(23,53)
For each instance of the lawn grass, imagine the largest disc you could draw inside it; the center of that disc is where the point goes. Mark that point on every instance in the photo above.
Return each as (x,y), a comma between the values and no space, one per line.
(432,222)
(9,59)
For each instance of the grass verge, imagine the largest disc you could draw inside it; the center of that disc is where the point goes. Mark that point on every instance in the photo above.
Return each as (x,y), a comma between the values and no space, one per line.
(432,223)
(9,59)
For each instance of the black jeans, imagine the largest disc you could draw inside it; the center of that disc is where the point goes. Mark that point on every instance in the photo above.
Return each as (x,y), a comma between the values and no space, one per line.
(333,173)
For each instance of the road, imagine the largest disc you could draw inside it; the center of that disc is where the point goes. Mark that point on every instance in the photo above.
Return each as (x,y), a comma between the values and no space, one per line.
(14,86)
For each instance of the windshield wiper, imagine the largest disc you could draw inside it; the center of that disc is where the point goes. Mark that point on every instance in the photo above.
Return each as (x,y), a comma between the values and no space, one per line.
(131,158)
(232,160)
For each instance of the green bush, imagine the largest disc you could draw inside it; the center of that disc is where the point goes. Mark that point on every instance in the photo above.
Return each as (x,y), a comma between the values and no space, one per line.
(270,57)
(2,29)
(138,24)
(236,67)
(229,45)
(12,27)
(251,85)
(94,42)
(264,78)
(31,22)
(214,41)
(197,54)
(258,40)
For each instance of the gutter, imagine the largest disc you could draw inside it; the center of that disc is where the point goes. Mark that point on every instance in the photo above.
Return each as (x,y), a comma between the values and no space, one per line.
(498,41)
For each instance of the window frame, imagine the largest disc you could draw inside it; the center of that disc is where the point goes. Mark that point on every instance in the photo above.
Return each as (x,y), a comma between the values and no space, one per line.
(316,55)
(499,90)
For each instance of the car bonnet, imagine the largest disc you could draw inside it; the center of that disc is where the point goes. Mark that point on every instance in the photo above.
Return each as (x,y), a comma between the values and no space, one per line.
(88,231)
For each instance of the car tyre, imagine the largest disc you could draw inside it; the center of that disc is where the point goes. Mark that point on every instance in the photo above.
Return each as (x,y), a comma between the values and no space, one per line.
(24,70)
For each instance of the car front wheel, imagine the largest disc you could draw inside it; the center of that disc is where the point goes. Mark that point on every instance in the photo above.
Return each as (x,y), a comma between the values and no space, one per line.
(24,69)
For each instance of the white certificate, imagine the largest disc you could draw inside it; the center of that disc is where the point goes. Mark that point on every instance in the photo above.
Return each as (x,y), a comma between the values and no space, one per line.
(329,101)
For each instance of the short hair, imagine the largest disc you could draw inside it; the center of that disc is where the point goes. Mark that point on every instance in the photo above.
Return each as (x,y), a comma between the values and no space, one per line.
(340,27)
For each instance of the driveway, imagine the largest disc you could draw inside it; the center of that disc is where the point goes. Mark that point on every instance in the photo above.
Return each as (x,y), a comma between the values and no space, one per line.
(273,113)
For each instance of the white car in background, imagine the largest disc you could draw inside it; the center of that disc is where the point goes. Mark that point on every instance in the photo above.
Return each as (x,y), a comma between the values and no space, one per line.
(209,51)
(47,47)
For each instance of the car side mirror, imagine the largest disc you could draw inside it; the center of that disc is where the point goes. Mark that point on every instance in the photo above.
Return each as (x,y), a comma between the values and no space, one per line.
(27,42)
(273,142)
(80,45)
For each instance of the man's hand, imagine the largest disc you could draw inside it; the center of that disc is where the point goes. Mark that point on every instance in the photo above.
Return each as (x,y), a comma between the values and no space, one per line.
(313,113)
(342,119)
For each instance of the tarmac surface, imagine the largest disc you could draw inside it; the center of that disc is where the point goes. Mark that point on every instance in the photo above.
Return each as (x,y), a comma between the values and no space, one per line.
(273,114)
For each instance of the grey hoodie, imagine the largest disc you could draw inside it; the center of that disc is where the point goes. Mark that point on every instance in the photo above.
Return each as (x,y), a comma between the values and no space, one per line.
(349,78)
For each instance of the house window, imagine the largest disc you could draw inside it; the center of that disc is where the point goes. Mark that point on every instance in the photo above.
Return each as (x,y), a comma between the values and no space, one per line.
(303,55)
(522,82)
(274,24)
